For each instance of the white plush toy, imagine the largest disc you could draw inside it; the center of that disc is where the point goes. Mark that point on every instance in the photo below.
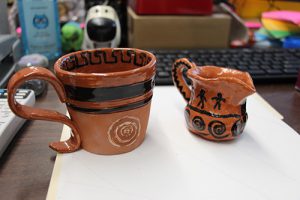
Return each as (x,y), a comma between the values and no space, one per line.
(102,28)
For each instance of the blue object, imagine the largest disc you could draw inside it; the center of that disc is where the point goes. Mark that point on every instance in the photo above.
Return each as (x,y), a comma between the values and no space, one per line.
(40,27)
(291,42)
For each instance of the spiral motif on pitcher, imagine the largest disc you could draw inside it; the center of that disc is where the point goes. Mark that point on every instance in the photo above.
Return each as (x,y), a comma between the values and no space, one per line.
(236,129)
(187,115)
(238,126)
(217,129)
(198,123)
(124,131)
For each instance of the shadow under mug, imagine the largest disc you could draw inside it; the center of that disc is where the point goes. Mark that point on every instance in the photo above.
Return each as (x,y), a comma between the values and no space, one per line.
(108,95)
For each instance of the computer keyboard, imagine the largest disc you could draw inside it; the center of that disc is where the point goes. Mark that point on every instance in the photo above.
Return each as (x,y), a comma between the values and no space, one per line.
(264,65)
(9,122)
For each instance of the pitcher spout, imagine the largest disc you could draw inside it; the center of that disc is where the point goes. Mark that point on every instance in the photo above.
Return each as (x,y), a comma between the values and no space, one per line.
(234,85)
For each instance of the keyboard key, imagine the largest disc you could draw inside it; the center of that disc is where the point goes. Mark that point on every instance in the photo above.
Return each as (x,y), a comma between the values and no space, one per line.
(290,71)
(265,67)
(243,68)
(256,71)
(252,67)
(292,66)
(163,74)
(277,66)
(274,71)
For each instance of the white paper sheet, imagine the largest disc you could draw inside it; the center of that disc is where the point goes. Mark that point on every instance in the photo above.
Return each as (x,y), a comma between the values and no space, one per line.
(174,164)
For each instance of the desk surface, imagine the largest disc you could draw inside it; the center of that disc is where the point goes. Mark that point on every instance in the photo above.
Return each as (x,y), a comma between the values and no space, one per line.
(26,166)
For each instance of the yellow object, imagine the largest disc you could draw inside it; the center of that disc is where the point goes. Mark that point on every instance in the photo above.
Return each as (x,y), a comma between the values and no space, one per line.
(254,8)
(280,29)
(272,24)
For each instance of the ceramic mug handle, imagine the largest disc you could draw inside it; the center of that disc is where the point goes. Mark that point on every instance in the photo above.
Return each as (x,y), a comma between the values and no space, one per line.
(73,143)
(179,67)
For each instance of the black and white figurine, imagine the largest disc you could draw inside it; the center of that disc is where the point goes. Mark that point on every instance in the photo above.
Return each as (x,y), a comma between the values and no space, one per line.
(102,28)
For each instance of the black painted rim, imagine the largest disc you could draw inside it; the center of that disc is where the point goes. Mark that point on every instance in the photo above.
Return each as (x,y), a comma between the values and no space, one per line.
(148,66)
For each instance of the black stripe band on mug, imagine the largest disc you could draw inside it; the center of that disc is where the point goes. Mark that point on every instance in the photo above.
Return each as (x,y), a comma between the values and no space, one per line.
(112,110)
(108,93)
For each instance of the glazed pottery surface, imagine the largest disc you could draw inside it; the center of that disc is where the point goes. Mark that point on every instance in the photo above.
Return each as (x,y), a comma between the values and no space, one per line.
(216,108)
(107,93)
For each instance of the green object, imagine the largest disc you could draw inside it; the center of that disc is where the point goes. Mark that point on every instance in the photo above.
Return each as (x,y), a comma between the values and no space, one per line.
(279,34)
(71,36)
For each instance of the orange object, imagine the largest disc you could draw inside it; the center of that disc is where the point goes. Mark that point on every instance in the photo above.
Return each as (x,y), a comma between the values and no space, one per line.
(216,108)
(108,96)
(254,8)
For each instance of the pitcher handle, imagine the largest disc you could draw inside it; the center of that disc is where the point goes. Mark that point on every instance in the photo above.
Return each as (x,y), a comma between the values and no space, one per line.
(179,68)
(73,143)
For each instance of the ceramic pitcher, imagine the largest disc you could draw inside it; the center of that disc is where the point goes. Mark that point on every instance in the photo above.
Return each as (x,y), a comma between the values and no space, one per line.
(216,99)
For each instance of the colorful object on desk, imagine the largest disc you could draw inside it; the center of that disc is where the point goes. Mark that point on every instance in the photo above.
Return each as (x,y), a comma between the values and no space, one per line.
(71,37)
(253,25)
(291,42)
(262,34)
(108,94)
(263,39)
(281,24)
(283,15)
(216,108)
(254,8)
(280,29)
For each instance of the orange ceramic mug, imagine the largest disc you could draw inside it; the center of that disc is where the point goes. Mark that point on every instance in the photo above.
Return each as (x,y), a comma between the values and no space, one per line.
(107,93)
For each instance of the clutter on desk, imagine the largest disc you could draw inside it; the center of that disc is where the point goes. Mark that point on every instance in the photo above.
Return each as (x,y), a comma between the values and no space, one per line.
(238,36)
(71,10)
(39,86)
(178,31)
(71,37)
(40,27)
(252,9)
(216,108)
(102,28)
(278,29)
(174,7)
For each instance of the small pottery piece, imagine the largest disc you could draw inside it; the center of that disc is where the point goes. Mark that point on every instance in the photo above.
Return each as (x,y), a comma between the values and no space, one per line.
(216,108)
(107,93)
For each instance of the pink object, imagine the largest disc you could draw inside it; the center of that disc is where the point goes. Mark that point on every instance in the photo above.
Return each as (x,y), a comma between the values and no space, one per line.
(82,25)
(253,25)
(19,31)
(291,16)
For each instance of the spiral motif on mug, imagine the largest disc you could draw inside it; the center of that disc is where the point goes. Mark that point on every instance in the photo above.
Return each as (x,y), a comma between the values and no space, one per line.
(124,131)
(217,129)
(198,123)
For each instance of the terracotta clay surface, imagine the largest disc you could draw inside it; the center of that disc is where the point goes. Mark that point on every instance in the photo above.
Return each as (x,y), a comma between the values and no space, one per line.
(216,108)
(108,95)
